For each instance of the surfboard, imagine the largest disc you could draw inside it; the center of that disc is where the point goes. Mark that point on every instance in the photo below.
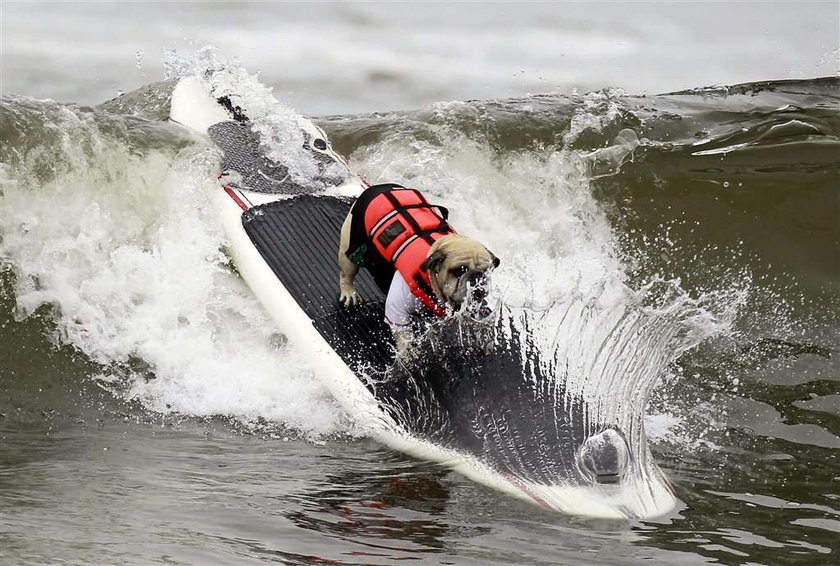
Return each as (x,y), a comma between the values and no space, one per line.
(458,397)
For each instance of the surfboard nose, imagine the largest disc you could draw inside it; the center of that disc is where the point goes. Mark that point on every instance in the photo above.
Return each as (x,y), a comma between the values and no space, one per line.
(605,456)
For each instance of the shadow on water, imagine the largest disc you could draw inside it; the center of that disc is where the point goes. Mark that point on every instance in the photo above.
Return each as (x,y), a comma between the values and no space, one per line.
(390,510)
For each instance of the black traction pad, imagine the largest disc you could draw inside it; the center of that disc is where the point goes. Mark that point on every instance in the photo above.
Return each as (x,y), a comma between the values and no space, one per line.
(478,387)
(298,237)
(463,391)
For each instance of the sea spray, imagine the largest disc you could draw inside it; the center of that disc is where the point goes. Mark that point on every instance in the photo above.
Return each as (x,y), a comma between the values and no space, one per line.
(144,271)
(278,126)
(563,272)
(123,241)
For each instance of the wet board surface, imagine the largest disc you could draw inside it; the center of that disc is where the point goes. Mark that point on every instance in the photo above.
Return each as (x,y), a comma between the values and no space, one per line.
(441,397)
(463,378)
(299,238)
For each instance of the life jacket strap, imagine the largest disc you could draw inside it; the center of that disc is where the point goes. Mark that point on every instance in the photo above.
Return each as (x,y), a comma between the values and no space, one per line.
(428,296)
(402,210)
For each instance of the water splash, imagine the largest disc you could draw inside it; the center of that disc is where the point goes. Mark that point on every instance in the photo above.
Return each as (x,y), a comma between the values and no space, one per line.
(282,140)
(122,241)
(141,226)
(593,346)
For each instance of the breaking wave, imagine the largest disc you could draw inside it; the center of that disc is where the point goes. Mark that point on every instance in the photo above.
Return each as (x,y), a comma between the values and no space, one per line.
(107,227)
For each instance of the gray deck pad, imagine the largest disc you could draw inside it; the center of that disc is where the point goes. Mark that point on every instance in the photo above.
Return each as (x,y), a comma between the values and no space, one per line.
(244,155)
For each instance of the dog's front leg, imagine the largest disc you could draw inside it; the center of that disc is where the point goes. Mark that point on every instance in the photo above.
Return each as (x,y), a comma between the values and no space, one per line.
(347,269)
(402,338)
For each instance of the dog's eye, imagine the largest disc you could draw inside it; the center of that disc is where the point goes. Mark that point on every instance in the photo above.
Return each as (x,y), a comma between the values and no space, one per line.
(460,270)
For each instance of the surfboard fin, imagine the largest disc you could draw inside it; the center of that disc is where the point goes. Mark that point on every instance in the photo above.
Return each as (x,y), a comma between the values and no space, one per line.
(605,456)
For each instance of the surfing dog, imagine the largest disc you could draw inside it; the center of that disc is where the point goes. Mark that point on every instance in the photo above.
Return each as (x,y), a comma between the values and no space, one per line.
(414,255)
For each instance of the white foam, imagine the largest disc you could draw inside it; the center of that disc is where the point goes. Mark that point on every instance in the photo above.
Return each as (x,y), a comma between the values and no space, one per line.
(661,426)
(128,249)
(533,210)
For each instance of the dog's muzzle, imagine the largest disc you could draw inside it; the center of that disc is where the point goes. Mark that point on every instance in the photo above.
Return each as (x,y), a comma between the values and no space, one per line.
(477,284)
(474,288)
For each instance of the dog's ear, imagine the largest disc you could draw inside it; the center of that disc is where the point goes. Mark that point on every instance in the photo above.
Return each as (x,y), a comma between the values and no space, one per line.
(433,262)
(496,261)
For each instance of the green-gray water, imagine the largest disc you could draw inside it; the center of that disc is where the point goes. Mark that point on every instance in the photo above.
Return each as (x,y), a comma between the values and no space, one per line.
(149,413)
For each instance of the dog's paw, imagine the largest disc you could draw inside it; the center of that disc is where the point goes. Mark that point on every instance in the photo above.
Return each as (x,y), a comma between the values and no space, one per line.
(349,298)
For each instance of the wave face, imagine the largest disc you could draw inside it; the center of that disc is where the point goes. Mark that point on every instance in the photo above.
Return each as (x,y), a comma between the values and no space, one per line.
(671,255)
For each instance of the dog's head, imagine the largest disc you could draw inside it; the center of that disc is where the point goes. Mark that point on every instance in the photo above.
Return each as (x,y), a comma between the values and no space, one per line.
(458,268)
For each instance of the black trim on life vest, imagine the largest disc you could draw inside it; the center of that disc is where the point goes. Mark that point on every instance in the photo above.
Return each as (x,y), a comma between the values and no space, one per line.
(401,210)
(425,287)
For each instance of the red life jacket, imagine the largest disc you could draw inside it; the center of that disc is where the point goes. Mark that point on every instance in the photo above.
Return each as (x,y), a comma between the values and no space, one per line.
(402,226)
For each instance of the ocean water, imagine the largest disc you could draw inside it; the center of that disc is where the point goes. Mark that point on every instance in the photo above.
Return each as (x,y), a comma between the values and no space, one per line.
(151,414)
(345,57)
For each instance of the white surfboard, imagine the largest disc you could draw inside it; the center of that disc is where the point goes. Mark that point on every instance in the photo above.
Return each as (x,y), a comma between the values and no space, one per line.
(283,234)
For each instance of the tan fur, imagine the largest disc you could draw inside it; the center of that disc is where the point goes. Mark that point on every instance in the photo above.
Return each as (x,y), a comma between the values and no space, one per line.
(347,269)
(455,251)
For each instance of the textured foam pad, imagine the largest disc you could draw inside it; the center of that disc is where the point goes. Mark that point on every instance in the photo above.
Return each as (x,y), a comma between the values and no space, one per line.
(256,172)
(298,238)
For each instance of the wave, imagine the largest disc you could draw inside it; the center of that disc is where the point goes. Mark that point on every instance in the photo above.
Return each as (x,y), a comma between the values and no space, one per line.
(106,222)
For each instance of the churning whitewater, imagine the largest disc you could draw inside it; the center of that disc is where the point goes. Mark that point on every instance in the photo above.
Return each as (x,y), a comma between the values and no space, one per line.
(122,244)
(107,220)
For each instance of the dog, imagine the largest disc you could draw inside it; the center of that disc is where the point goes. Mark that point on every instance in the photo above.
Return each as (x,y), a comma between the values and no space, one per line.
(414,255)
